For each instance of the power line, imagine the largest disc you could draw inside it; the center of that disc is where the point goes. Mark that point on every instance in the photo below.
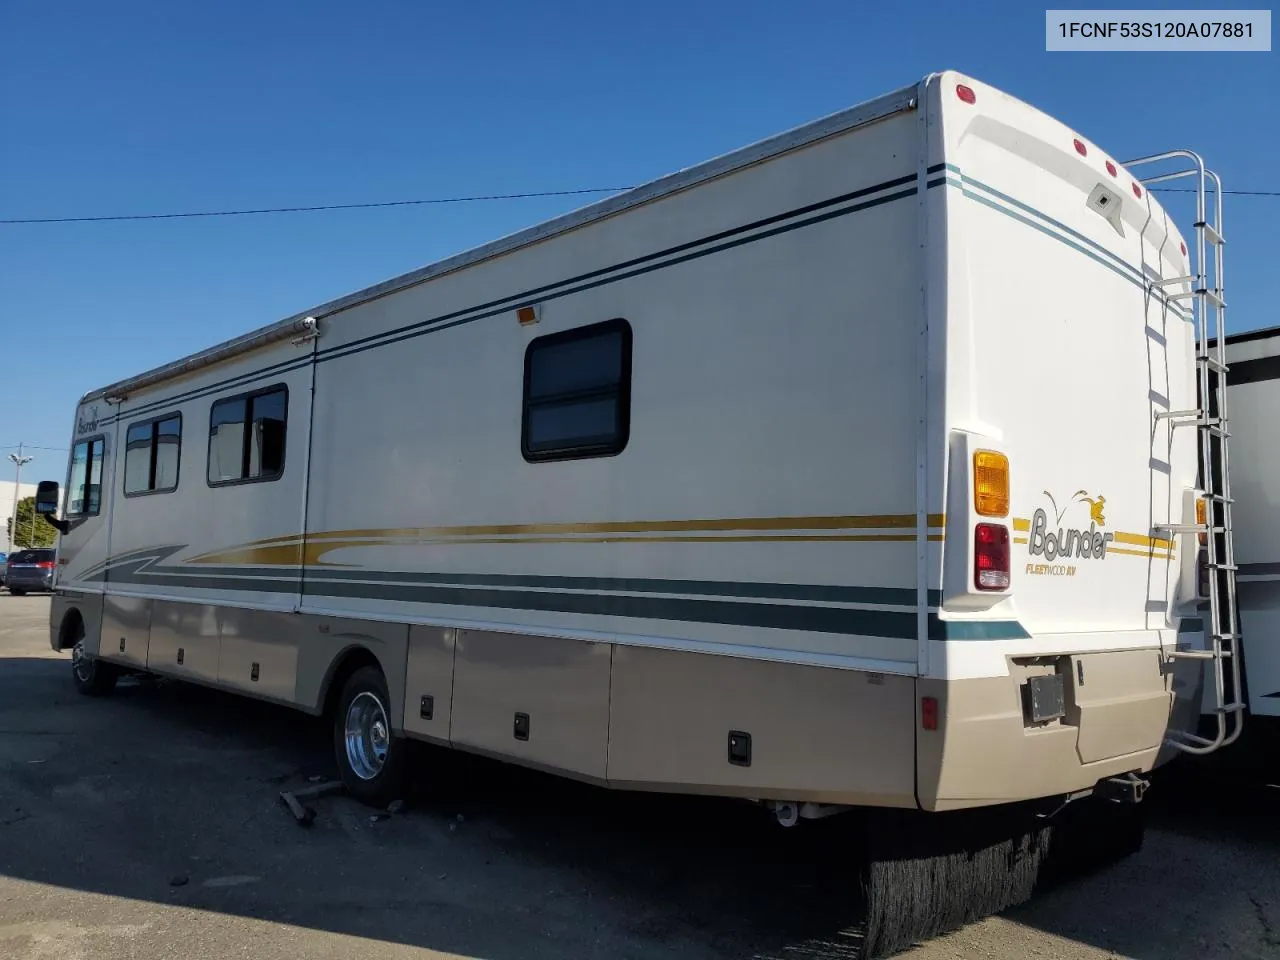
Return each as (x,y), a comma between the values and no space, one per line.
(315,208)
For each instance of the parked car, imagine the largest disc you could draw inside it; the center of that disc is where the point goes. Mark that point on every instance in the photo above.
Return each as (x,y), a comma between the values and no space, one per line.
(27,571)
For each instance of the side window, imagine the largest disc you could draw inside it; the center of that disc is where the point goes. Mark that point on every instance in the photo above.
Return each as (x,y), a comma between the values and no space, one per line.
(246,437)
(152,452)
(84,486)
(577,393)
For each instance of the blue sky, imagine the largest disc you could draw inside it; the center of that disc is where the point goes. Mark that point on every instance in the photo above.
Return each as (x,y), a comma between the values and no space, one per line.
(151,107)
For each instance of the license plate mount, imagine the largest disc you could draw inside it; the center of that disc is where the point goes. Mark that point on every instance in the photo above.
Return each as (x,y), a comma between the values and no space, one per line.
(1044,699)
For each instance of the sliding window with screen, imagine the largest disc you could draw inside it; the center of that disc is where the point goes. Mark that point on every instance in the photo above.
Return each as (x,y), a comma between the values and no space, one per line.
(246,437)
(577,393)
(153,451)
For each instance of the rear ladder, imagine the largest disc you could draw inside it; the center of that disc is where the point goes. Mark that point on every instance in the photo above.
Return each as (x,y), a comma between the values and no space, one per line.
(1209,309)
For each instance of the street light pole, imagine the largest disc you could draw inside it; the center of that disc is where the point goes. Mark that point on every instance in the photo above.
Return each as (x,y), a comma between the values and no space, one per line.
(18,460)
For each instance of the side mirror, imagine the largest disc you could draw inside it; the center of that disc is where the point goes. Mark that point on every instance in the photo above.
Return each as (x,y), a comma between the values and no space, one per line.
(47,505)
(47,498)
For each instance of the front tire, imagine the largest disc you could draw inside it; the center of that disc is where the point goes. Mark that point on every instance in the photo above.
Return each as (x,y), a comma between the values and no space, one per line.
(92,677)
(372,761)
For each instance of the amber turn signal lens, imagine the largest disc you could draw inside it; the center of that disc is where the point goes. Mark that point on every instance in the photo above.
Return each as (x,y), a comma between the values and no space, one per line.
(991,483)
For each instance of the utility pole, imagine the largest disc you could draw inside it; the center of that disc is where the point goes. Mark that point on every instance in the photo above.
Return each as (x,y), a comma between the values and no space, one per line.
(18,460)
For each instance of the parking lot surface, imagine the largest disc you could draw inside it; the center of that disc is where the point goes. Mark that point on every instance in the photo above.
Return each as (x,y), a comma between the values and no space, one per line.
(148,825)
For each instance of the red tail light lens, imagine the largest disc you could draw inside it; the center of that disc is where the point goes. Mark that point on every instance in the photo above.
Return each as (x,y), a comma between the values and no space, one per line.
(929,713)
(966,93)
(991,556)
(46,564)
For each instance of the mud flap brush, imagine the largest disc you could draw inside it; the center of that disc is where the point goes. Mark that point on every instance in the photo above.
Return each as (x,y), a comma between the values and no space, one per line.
(926,874)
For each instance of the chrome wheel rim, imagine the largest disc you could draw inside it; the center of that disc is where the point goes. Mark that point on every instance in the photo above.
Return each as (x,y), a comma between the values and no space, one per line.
(81,663)
(367,735)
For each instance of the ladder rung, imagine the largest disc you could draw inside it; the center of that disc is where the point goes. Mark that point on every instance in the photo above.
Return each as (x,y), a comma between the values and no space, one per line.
(1188,528)
(1210,234)
(1213,364)
(1214,430)
(1200,654)
(1218,498)
(1222,566)
(1185,415)
(1212,297)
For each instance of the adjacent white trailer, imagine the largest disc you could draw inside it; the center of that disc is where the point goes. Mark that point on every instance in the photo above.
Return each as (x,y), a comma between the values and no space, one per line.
(1253,390)
(829,472)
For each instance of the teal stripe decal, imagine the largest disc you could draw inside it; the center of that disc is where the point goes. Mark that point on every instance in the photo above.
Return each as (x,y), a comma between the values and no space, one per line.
(1123,274)
(1110,260)
(976,630)
(1050,220)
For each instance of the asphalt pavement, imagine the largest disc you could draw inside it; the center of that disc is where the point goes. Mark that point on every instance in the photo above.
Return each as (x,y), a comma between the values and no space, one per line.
(148,825)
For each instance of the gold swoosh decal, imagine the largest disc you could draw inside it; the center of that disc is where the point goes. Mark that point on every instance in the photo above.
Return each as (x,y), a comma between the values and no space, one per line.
(294,549)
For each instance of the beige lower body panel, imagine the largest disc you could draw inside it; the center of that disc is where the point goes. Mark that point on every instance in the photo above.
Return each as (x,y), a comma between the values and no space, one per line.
(816,733)
(636,717)
(184,640)
(89,608)
(644,719)
(539,700)
(428,695)
(983,751)
(323,643)
(126,630)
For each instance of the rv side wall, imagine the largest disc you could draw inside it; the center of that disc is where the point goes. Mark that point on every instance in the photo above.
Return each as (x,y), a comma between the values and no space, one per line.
(747,561)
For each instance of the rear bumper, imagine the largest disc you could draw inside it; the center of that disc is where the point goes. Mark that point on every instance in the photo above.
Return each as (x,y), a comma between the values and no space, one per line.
(1119,707)
(26,581)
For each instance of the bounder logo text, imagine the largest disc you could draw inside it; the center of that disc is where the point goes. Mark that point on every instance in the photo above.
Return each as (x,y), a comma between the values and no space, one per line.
(87,421)
(1054,540)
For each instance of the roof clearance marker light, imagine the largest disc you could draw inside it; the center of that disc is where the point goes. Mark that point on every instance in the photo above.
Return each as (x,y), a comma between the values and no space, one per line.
(966,93)
(929,713)
(1137,191)
(1111,168)
(1080,148)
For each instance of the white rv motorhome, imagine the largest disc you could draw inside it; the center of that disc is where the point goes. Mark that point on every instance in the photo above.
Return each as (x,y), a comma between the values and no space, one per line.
(833,472)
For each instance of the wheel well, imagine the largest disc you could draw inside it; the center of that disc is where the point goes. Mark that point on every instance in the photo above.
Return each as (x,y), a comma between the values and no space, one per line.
(351,660)
(71,621)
